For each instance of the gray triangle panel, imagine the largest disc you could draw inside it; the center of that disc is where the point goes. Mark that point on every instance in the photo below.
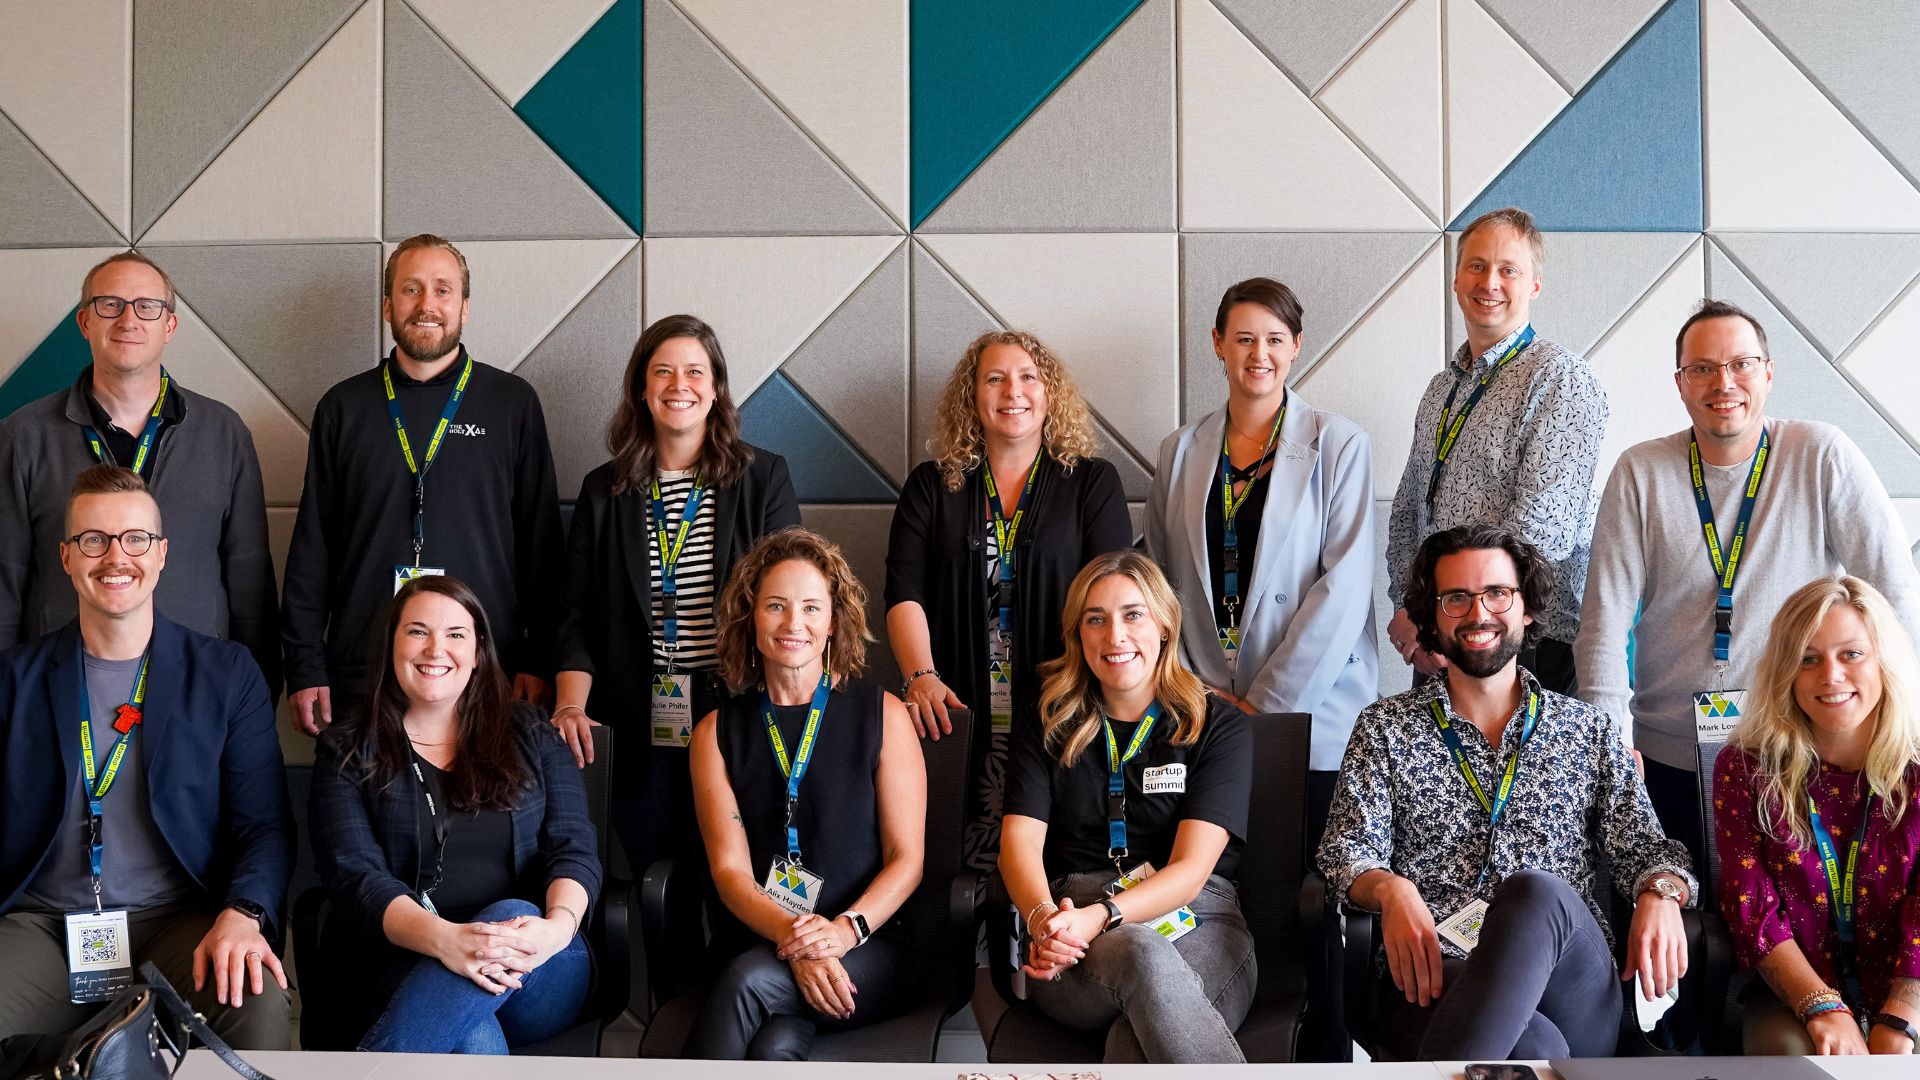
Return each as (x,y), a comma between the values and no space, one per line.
(202,69)
(1861,52)
(40,207)
(1807,387)
(722,159)
(1310,38)
(1591,281)
(578,370)
(854,367)
(1574,38)
(1798,269)
(1337,276)
(1096,156)
(1136,477)
(946,319)
(300,316)
(460,163)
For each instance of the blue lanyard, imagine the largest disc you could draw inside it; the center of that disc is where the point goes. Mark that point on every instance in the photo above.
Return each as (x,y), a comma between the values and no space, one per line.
(1005,533)
(1448,431)
(1117,780)
(147,435)
(1840,893)
(670,549)
(1230,506)
(795,768)
(1726,564)
(100,780)
(419,470)
(1497,805)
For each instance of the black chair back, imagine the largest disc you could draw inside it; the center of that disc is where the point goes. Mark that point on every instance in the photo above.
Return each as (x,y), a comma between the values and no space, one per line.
(1277,823)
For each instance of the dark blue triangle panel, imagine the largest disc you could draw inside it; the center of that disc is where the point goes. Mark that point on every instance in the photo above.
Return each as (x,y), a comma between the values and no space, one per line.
(587,107)
(979,67)
(1623,156)
(825,466)
(52,365)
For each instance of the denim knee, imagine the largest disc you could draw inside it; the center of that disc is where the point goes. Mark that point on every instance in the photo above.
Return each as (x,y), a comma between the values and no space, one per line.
(502,910)
(1135,955)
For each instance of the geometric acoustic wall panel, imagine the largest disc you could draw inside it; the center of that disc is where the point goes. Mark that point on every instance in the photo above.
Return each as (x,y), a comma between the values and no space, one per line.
(825,466)
(862,533)
(854,366)
(42,285)
(1574,39)
(1781,154)
(1799,269)
(204,364)
(587,107)
(1486,128)
(201,70)
(51,365)
(1097,155)
(1882,363)
(859,113)
(1635,361)
(1388,98)
(510,43)
(1861,54)
(307,167)
(1310,39)
(42,207)
(578,370)
(1590,281)
(946,319)
(721,157)
(65,83)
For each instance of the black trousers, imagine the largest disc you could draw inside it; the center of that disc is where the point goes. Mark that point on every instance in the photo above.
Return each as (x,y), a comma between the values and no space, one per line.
(756,1012)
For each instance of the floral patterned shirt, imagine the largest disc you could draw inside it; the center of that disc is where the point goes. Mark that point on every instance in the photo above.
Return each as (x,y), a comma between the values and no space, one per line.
(1401,805)
(1773,890)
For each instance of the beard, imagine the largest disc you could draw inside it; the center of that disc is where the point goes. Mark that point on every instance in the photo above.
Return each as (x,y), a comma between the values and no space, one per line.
(422,346)
(1482,663)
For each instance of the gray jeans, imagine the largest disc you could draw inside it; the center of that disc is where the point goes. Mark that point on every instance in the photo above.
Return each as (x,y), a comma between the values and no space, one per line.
(1161,1001)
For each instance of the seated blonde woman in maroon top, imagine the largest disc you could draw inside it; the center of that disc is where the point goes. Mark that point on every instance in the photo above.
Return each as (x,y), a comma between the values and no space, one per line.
(1827,756)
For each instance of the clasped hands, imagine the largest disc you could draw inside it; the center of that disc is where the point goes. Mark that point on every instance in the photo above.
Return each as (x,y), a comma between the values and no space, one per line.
(1060,940)
(496,955)
(813,948)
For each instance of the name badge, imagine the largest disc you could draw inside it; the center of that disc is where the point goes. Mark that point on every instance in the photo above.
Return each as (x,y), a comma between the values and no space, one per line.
(1716,713)
(404,574)
(1174,925)
(99,955)
(672,708)
(1463,926)
(1230,646)
(1000,694)
(792,886)
(1164,780)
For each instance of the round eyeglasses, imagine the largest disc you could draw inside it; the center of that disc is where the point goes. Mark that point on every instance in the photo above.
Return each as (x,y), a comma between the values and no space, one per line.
(93,543)
(1498,600)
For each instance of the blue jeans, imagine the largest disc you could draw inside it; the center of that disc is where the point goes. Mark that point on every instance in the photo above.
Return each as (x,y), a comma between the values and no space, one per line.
(434,1011)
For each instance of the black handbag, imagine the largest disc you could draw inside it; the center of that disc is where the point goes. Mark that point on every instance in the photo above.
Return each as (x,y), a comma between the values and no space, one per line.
(143,1034)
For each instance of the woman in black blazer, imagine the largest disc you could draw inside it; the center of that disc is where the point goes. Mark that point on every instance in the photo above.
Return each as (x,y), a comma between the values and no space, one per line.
(1012,431)
(676,445)
(451,828)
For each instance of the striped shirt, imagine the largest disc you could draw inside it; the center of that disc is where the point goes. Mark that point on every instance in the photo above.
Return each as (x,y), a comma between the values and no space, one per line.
(693,577)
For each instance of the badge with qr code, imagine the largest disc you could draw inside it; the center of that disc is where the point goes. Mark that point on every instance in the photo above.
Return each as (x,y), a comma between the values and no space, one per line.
(99,955)
(1463,927)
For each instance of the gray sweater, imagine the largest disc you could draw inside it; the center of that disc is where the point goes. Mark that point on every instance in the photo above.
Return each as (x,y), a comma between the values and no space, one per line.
(206,478)
(1821,510)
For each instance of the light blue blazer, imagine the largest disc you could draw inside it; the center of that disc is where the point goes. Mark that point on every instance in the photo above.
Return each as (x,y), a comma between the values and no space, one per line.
(1307,641)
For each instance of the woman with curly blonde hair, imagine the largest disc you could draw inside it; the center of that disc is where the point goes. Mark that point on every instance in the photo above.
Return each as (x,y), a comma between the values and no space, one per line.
(985,539)
(1819,854)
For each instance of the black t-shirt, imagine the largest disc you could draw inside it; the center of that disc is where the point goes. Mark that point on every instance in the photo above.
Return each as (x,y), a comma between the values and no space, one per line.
(124,446)
(1246,527)
(1073,801)
(479,860)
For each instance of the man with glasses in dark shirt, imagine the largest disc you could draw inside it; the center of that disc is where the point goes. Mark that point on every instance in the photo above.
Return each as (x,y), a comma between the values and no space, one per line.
(195,454)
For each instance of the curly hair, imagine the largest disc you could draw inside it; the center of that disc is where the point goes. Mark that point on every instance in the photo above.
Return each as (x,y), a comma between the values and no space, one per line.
(1422,599)
(959,445)
(739,653)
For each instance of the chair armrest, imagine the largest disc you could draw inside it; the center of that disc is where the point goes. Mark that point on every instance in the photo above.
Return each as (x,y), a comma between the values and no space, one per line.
(672,928)
(994,907)
(1359,931)
(612,934)
(1324,1023)
(962,895)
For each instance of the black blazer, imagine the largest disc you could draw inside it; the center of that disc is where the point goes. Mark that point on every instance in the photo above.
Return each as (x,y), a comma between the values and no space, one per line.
(606,622)
(937,556)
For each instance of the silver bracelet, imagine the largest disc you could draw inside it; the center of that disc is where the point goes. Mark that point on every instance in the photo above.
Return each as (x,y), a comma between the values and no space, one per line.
(568,910)
(568,708)
(1029,919)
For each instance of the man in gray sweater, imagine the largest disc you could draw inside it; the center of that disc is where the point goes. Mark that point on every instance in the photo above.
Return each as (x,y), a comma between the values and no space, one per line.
(1705,563)
(195,454)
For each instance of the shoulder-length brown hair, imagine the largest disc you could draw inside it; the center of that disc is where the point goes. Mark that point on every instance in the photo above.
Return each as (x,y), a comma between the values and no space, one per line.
(489,769)
(724,456)
(1070,704)
(737,648)
(959,445)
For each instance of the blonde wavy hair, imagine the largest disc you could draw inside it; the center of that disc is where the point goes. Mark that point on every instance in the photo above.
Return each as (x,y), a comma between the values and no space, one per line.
(1070,702)
(959,445)
(736,647)
(1778,734)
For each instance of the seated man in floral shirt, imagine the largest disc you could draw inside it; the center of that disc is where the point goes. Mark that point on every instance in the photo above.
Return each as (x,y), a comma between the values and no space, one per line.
(1469,813)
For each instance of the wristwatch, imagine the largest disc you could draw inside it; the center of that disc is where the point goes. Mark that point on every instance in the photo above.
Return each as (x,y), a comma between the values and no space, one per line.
(859,924)
(250,909)
(1114,916)
(1898,1023)
(1665,886)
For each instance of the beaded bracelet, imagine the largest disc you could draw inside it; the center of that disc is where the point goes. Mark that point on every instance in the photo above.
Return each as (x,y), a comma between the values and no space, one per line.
(1029,919)
(1826,1007)
(1822,1000)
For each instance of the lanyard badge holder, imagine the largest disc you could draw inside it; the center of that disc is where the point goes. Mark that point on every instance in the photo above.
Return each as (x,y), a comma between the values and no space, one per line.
(1230,535)
(147,434)
(672,713)
(436,813)
(1000,645)
(99,947)
(1448,431)
(1175,924)
(403,573)
(1841,897)
(1463,926)
(789,883)
(1716,711)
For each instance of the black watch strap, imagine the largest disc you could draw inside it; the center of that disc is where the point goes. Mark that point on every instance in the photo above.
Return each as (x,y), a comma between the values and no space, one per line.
(1898,1023)
(1114,916)
(250,909)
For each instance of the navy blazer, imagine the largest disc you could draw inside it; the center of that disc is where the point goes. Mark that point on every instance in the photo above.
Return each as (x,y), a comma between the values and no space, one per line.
(216,785)
(366,839)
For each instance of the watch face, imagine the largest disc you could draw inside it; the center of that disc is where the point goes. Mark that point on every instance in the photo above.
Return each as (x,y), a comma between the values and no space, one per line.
(249,909)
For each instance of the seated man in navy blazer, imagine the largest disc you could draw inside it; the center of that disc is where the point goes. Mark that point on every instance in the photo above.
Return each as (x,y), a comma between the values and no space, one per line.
(144,802)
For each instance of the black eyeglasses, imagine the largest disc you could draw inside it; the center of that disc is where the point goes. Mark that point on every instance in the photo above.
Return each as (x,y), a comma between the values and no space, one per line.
(146,307)
(93,543)
(1498,600)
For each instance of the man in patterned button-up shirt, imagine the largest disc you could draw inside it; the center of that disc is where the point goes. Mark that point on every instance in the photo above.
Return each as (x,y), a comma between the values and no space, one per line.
(1411,837)
(1524,458)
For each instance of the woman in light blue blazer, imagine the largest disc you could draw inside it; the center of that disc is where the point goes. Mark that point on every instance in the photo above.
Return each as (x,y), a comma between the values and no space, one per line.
(1262,514)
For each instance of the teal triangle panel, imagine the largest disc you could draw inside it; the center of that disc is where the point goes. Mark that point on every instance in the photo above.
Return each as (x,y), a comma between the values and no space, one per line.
(52,365)
(979,67)
(824,465)
(1624,156)
(587,107)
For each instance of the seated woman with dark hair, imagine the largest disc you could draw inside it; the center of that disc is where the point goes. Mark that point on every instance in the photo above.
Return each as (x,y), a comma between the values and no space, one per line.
(1133,770)
(450,826)
(1816,784)
(812,799)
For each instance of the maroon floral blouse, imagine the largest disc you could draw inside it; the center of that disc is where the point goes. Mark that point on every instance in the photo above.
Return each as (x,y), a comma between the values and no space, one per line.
(1772,890)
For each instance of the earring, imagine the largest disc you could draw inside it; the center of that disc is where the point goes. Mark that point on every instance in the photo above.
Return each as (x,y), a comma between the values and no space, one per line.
(828,661)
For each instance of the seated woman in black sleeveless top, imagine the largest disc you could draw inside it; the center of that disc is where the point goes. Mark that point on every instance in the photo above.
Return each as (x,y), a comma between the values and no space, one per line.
(812,799)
